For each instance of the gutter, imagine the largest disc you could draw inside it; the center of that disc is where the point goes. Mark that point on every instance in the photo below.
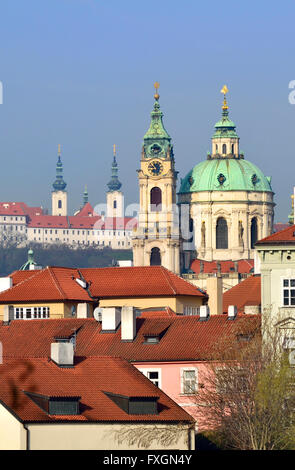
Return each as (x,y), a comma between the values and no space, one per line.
(27,437)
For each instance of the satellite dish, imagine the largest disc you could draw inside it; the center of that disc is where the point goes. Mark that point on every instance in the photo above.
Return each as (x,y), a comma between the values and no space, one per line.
(97,313)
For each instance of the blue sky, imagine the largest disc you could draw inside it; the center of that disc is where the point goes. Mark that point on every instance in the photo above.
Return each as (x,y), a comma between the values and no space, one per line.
(80,73)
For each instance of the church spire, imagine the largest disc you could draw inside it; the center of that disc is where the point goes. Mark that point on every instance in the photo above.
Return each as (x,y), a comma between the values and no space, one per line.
(114,183)
(85,196)
(156,140)
(59,184)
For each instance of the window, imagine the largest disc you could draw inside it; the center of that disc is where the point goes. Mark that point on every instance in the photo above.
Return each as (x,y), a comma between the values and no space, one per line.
(188,310)
(115,205)
(28,313)
(154,375)
(59,205)
(254,232)
(189,380)
(288,292)
(221,234)
(156,199)
(232,149)
(224,149)
(155,259)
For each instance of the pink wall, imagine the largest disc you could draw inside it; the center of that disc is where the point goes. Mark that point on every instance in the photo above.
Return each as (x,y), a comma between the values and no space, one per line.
(170,374)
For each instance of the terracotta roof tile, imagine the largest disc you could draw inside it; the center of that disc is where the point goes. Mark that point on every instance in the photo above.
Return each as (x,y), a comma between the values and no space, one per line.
(137,281)
(185,338)
(283,236)
(247,292)
(243,266)
(89,379)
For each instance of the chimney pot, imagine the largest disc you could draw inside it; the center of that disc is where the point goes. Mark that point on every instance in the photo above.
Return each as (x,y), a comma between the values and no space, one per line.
(204,312)
(111,317)
(128,323)
(62,353)
(232,312)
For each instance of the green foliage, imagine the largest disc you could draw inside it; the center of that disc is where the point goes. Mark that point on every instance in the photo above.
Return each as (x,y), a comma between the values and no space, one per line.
(12,258)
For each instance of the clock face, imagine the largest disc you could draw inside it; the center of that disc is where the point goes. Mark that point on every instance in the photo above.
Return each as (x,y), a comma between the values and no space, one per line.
(155,168)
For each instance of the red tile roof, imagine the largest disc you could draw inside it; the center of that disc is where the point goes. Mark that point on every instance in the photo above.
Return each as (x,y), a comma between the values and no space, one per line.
(57,284)
(157,312)
(86,211)
(185,338)
(19,208)
(247,292)
(89,379)
(137,281)
(82,222)
(243,266)
(49,221)
(49,284)
(19,276)
(286,236)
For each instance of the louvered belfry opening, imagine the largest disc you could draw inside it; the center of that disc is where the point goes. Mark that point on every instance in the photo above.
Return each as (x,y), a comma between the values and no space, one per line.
(221,234)
(156,199)
(155,257)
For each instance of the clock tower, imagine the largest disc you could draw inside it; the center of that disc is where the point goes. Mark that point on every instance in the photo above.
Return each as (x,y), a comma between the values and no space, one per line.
(156,241)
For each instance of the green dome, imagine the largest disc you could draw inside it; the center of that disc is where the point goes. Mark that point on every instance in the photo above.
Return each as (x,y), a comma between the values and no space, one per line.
(225,174)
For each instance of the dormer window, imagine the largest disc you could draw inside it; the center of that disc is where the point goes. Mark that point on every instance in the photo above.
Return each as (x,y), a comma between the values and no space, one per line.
(135,405)
(52,405)
(152,339)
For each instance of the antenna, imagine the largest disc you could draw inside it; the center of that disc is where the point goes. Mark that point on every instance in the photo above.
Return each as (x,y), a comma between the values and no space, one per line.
(97,313)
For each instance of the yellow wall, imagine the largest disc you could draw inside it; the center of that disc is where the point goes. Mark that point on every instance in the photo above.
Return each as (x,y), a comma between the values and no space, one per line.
(12,433)
(105,436)
(57,309)
(176,303)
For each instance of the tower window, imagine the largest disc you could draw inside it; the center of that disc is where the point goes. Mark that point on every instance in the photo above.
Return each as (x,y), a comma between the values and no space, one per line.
(254,232)
(156,199)
(232,149)
(216,148)
(59,204)
(115,205)
(221,234)
(155,257)
(224,149)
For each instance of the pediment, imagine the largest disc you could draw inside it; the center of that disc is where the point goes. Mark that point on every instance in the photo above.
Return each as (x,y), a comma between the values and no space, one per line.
(287,323)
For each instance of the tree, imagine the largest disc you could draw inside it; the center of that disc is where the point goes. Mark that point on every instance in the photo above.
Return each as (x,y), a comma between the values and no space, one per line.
(247,396)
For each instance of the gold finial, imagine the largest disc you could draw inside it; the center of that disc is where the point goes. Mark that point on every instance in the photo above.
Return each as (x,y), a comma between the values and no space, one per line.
(58,150)
(157,86)
(292,197)
(114,149)
(224,90)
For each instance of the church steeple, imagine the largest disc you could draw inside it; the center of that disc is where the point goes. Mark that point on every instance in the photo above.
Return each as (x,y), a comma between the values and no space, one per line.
(85,196)
(157,141)
(59,194)
(114,183)
(59,184)
(225,141)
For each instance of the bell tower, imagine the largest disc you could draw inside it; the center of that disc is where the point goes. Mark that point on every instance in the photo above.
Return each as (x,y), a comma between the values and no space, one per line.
(59,195)
(156,241)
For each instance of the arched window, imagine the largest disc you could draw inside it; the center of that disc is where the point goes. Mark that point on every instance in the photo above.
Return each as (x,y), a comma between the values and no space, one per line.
(254,232)
(156,199)
(221,234)
(155,257)
(224,149)
(59,204)
(115,205)
(191,231)
(232,148)
(216,148)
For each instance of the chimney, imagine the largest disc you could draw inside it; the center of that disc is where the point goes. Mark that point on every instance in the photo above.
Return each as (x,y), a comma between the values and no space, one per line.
(232,312)
(111,317)
(8,314)
(83,310)
(204,312)
(214,291)
(128,323)
(62,353)
(5,283)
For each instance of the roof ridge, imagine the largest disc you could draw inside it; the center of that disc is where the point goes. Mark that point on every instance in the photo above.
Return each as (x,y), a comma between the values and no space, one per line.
(170,282)
(24,280)
(62,293)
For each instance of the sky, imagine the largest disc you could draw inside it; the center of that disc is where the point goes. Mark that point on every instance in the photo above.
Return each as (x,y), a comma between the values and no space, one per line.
(80,73)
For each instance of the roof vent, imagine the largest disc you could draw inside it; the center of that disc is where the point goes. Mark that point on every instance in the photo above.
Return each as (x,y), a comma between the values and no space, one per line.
(81,283)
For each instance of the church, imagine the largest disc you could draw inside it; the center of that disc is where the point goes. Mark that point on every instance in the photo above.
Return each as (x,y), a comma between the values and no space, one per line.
(224,205)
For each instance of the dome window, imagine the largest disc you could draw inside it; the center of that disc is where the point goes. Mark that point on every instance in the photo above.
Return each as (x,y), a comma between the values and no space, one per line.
(254,179)
(221,178)
(224,149)
(190,180)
